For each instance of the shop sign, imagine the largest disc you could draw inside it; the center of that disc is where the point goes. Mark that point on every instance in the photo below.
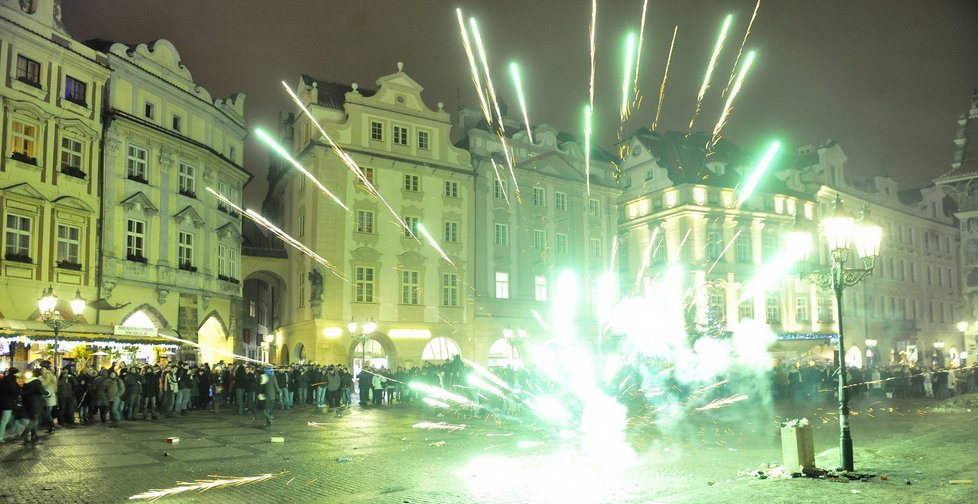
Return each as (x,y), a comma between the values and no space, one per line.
(121,330)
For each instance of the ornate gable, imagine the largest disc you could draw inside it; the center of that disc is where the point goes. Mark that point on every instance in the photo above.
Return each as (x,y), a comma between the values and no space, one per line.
(229,232)
(25,189)
(72,202)
(139,202)
(189,216)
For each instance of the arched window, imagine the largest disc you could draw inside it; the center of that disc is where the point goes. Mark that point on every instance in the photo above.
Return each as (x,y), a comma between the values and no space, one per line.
(439,349)
(854,357)
(503,353)
(139,319)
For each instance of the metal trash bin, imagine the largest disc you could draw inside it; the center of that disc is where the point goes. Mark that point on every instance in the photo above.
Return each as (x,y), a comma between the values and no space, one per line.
(797,446)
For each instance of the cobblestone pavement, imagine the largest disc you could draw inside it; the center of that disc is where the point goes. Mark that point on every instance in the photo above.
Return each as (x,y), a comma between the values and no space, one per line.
(376,456)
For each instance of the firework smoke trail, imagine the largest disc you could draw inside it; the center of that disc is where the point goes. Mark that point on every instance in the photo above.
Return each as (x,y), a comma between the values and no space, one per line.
(638,53)
(733,70)
(431,241)
(347,160)
(665,76)
(202,485)
(730,99)
(502,189)
(473,68)
(755,177)
(587,148)
(514,70)
(709,69)
(285,155)
(594,27)
(614,253)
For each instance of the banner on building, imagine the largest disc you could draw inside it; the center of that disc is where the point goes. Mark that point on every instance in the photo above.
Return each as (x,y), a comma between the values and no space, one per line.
(121,330)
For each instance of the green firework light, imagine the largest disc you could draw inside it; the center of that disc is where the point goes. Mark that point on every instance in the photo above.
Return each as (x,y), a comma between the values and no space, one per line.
(514,71)
(755,177)
(627,80)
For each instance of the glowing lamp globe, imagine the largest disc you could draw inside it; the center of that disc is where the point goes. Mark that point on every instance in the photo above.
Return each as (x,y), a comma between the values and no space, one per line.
(77,303)
(370,327)
(352,327)
(47,302)
(868,237)
(962,326)
(838,229)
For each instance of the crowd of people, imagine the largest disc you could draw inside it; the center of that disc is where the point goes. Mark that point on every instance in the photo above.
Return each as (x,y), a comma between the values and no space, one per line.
(797,382)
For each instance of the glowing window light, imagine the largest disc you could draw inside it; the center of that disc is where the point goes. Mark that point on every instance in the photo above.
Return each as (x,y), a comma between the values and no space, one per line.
(699,195)
(643,207)
(727,198)
(333,332)
(791,206)
(779,204)
(671,199)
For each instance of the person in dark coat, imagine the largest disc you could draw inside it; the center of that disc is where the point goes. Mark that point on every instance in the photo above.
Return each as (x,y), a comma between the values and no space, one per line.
(67,384)
(100,400)
(151,391)
(364,380)
(240,378)
(9,393)
(268,390)
(203,386)
(34,397)
(133,397)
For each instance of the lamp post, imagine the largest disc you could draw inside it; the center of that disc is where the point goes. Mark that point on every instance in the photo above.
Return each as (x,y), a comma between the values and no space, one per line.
(871,352)
(368,328)
(269,338)
(47,304)
(841,231)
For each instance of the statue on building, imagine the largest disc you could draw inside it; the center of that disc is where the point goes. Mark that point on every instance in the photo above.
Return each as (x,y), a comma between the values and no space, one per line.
(316,292)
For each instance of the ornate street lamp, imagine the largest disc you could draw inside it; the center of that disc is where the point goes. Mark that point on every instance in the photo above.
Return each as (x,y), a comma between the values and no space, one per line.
(47,305)
(368,328)
(841,231)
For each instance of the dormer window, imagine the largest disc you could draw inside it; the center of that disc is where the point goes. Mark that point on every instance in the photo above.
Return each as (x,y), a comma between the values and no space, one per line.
(75,91)
(28,71)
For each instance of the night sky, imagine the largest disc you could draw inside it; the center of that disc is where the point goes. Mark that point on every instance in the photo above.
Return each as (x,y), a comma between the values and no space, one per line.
(886,78)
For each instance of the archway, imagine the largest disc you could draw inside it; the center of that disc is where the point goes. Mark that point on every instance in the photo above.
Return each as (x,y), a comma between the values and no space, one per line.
(854,357)
(147,316)
(283,358)
(369,352)
(440,349)
(213,340)
(300,353)
(503,354)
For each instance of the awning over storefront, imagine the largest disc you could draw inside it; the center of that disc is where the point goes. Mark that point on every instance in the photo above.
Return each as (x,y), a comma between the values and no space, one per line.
(37,332)
(796,345)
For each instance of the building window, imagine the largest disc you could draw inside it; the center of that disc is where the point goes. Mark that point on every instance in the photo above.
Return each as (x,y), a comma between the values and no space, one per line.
(18,238)
(233,194)
(364,284)
(451,189)
(502,285)
(746,309)
(301,291)
(69,245)
(149,110)
(75,91)
(227,263)
(742,248)
(825,310)
(423,142)
(539,239)
(302,222)
(500,188)
(71,157)
(177,123)
(539,197)
(412,182)
(714,245)
(449,289)
(28,71)
(592,208)
(376,130)
(451,232)
(649,174)
(368,173)
(502,234)
(540,288)
(188,185)
(716,306)
(801,310)
(560,201)
(365,221)
(135,240)
(185,251)
(410,287)
(561,243)
(400,135)
(23,141)
(411,229)
(136,164)
(773,310)
(769,246)
(595,248)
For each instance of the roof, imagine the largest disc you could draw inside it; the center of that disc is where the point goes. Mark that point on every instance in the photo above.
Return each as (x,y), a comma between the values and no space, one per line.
(332,94)
(968,151)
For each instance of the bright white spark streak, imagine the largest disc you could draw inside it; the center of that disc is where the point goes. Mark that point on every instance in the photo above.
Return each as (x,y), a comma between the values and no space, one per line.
(638,49)
(509,164)
(488,375)
(201,485)
(647,256)
(709,69)
(213,349)
(730,99)
(499,181)
(285,155)
(614,253)
(758,173)
(434,402)
(627,80)
(719,403)
(743,43)
(473,68)
(587,148)
(594,27)
(485,68)
(514,70)
(724,252)
(431,241)
(665,76)
(439,426)
(439,392)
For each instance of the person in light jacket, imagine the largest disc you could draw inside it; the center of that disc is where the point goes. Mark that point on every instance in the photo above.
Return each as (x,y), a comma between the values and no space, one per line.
(50,384)
(114,390)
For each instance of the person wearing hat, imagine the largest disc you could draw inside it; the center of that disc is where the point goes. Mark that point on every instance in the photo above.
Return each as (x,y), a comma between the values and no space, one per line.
(268,390)
(9,391)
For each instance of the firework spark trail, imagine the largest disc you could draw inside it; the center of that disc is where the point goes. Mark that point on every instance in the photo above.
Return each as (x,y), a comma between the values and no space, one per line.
(347,160)
(587,148)
(593,29)
(724,252)
(720,403)
(485,68)
(510,165)
(614,253)
(203,485)
(436,403)
(647,256)
(626,80)
(213,349)
(733,70)
(431,241)
(638,53)
(514,70)
(708,387)
(709,69)
(665,76)
(439,426)
(473,68)
(730,99)
(499,181)
(489,375)
(755,177)
(439,393)
(285,155)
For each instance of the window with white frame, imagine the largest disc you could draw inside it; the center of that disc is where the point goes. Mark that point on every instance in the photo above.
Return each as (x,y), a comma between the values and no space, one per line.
(376,130)
(773,309)
(423,140)
(593,210)
(451,232)
(500,188)
(28,70)
(560,201)
(449,289)
(136,163)
(136,240)
(23,140)
(824,306)
(301,291)
(149,110)
(502,234)
(364,284)
(17,238)
(177,123)
(595,248)
(227,263)
(365,221)
(71,156)
(540,288)
(539,197)
(716,304)
(412,182)
(746,309)
(561,243)
(188,180)
(400,135)
(185,251)
(68,246)
(714,245)
(769,246)
(302,223)
(410,287)
(368,173)
(802,306)
(742,248)
(502,285)
(411,230)
(539,239)
(451,188)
